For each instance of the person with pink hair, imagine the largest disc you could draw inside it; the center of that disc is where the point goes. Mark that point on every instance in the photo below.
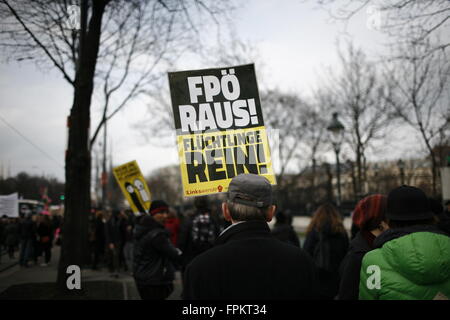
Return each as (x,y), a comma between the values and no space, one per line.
(369,217)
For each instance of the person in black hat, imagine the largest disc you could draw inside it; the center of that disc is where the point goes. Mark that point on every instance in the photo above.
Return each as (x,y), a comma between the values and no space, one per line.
(198,232)
(246,261)
(154,254)
(412,257)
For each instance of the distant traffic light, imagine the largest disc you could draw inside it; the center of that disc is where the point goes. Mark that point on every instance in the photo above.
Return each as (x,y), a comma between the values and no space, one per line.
(61,197)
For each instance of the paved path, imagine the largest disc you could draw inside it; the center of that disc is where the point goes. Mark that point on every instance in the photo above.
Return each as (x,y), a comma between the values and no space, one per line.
(6,262)
(15,274)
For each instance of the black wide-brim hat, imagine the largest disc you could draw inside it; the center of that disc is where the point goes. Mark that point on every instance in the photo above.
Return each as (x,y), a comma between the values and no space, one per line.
(407,203)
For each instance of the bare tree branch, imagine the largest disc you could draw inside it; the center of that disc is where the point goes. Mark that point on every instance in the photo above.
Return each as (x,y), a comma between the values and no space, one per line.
(39,43)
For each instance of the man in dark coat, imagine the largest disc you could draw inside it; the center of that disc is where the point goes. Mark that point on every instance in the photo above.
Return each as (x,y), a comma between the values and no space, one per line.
(154,254)
(27,236)
(99,239)
(247,262)
(11,236)
(114,240)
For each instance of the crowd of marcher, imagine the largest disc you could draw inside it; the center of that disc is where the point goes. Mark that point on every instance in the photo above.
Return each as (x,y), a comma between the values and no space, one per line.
(31,237)
(111,240)
(398,248)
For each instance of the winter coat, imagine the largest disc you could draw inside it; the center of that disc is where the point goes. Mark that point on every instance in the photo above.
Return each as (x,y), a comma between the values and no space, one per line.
(327,284)
(114,231)
(413,262)
(99,230)
(285,233)
(248,263)
(350,268)
(186,241)
(154,254)
(27,229)
(12,234)
(45,234)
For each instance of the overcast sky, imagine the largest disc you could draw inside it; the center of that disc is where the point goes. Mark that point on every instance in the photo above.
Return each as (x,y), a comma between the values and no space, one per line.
(294,42)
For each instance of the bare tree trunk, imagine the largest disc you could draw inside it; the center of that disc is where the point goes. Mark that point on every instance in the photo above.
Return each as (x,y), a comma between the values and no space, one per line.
(434,172)
(354,185)
(364,174)
(78,159)
(359,171)
(313,179)
(329,183)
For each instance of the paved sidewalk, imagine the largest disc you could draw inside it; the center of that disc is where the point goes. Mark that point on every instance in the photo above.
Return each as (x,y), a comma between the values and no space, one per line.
(13,274)
(6,262)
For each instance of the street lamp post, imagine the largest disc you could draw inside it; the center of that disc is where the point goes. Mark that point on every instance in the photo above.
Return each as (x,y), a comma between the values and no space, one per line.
(376,168)
(336,129)
(401,166)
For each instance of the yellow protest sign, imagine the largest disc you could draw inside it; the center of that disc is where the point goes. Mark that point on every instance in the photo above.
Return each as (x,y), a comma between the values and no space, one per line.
(220,128)
(133,186)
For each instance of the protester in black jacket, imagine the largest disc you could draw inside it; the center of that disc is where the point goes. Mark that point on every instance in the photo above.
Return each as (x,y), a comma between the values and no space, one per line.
(198,232)
(99,239)
(45,238)
(369,217)
(154,254)
(327,243)
(247,262)
(283,229)
(11,236)
(27,237)
(114,238)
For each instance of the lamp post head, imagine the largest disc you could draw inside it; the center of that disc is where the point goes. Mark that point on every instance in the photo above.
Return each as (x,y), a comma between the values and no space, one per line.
(335,124)
(401,164)
(337,131)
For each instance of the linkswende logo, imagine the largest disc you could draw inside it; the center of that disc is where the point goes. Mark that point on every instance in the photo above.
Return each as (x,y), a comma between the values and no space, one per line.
(374,280)
(74,280)
(74,13)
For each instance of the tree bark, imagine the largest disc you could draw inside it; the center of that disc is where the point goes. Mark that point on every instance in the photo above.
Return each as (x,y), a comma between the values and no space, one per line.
(78,159)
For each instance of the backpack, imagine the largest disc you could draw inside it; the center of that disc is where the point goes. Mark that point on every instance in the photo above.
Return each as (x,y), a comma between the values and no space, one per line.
(203,233)
(322,253)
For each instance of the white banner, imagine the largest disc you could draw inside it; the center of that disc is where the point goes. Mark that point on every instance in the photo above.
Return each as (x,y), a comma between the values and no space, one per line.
(9,205)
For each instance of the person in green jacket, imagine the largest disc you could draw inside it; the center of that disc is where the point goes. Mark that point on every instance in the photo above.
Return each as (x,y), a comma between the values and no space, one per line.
(412,258)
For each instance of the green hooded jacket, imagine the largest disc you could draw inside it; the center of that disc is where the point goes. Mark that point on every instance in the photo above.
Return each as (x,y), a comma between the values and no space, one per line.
(410,263)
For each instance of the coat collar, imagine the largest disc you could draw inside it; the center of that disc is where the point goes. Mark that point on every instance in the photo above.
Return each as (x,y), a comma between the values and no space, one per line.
(392,234)
(244,230)
(359,244)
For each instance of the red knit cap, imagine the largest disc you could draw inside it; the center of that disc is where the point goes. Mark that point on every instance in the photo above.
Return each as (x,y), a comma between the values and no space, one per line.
(158,206)
(370,211)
